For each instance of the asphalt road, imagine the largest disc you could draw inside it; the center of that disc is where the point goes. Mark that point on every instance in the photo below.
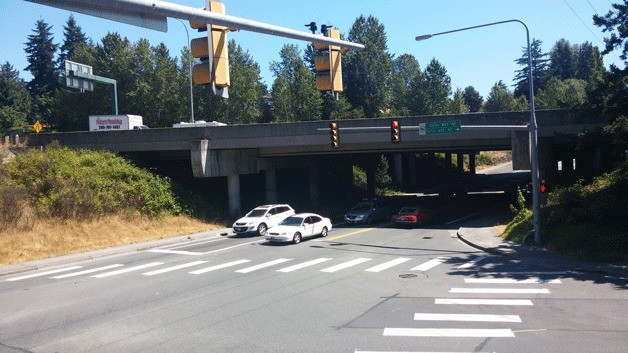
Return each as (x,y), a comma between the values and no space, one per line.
(379,289)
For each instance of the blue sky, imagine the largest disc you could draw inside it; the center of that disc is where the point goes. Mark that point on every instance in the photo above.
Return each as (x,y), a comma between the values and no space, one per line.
(478,58)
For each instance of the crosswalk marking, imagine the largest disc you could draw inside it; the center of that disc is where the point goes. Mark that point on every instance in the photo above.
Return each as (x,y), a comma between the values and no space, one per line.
(472,263)
(173,268)
(482,301)
(304,265)
(44,273)
(510,280)
(264,265)
(387,265)
(87,271)
(218,267)
(176,252)
(129,269)
(501,290)
(344,265)
(528,273)
(466,317)
(430,264)
(447,332)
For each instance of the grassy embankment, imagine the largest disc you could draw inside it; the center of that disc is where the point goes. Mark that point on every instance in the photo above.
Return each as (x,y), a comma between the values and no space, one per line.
(61,202)
(585,221)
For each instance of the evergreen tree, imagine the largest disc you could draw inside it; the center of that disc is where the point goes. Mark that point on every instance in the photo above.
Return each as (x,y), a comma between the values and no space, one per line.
(539,69)
(458,105)
(245,93)
(437,88)
(589,66)
(562,60)
(366,72)
(405,68)
(73,36)
(562,94)
(40,51)
(472,99)
(615,22)
(501,99)
(294,93)
(15,102)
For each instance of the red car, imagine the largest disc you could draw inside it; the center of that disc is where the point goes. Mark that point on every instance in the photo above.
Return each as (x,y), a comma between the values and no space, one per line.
(412,216)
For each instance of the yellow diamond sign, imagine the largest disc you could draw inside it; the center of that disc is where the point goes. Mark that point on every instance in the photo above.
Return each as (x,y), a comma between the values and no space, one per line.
(37,126)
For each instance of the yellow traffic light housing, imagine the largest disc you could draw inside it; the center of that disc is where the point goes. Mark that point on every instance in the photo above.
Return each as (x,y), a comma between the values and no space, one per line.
(328,64)
(335,138)
(395,131)
(214,66)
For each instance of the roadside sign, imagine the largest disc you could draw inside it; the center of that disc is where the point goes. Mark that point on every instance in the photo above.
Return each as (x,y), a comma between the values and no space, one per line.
(37,126)
(440,127)
(76,82)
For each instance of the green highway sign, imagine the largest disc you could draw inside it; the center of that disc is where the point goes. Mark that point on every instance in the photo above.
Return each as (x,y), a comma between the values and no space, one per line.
(440,127)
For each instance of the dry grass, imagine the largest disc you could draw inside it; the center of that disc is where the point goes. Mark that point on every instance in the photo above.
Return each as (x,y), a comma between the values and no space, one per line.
(51,238)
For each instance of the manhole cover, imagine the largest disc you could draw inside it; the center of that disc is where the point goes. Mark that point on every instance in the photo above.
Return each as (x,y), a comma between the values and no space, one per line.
(407,275)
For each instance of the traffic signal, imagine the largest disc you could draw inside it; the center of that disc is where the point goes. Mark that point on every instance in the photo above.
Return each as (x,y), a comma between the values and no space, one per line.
(395,131)
(328,63)
(214,66)
(333,130)
(542,187)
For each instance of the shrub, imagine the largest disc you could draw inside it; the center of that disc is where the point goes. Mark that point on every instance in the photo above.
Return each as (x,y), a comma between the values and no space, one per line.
(72,184)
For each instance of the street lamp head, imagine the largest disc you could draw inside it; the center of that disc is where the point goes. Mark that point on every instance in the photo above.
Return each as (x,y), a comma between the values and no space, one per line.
(423,37)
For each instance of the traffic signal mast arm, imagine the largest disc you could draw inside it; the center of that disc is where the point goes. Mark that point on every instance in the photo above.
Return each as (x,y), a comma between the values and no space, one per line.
(153,14)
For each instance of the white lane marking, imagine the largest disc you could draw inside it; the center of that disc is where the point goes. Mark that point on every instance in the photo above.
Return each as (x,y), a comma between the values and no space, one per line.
(129,269)
(87,271)
(173,268)
(466,317)
(200,242)
(235,246)
(218,267)
(500,290)
(344,265)
(176,252)
(44,273)
(482,301)
(447,332)
(536,273)
(472,263)
(304,264)
(510,280)
(430,264)
(358,351)
(387,265)
(264,265)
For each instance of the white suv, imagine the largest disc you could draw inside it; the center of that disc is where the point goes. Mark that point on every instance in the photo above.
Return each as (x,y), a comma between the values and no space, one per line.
(259,219)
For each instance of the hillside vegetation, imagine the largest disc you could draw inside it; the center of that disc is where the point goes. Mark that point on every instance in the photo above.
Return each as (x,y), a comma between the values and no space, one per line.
(62,201)
(586,221)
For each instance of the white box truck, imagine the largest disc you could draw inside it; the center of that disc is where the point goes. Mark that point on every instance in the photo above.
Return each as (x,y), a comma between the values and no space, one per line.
(115,122)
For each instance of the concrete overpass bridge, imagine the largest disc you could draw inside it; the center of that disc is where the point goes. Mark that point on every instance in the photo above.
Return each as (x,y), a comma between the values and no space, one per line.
(235,150)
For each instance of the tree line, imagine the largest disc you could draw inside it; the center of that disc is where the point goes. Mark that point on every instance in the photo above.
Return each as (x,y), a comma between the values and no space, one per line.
(153,83)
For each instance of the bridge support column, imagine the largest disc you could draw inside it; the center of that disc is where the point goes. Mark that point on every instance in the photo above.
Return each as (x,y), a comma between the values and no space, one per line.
(371,169)
(233,189)
(548,165)
(460,161)
(412,171)
(270,176)
(472,163)
(314,186)
(398,170)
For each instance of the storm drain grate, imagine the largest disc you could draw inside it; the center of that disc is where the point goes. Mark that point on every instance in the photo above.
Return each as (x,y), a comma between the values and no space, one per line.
(407,275)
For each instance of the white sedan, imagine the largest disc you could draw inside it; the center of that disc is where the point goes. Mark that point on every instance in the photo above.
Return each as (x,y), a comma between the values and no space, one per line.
(299,226)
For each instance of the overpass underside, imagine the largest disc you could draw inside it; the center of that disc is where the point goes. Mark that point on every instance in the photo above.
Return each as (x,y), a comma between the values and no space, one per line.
(261,152)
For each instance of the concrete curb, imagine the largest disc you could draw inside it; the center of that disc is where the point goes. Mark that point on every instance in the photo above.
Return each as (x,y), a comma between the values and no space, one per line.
(608,270)
(108,252)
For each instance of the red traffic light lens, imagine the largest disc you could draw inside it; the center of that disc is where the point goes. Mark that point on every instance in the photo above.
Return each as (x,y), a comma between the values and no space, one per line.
(394,124)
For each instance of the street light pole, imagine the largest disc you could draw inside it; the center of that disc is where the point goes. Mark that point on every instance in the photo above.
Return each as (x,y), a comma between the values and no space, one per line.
(532,128)
(190,73)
